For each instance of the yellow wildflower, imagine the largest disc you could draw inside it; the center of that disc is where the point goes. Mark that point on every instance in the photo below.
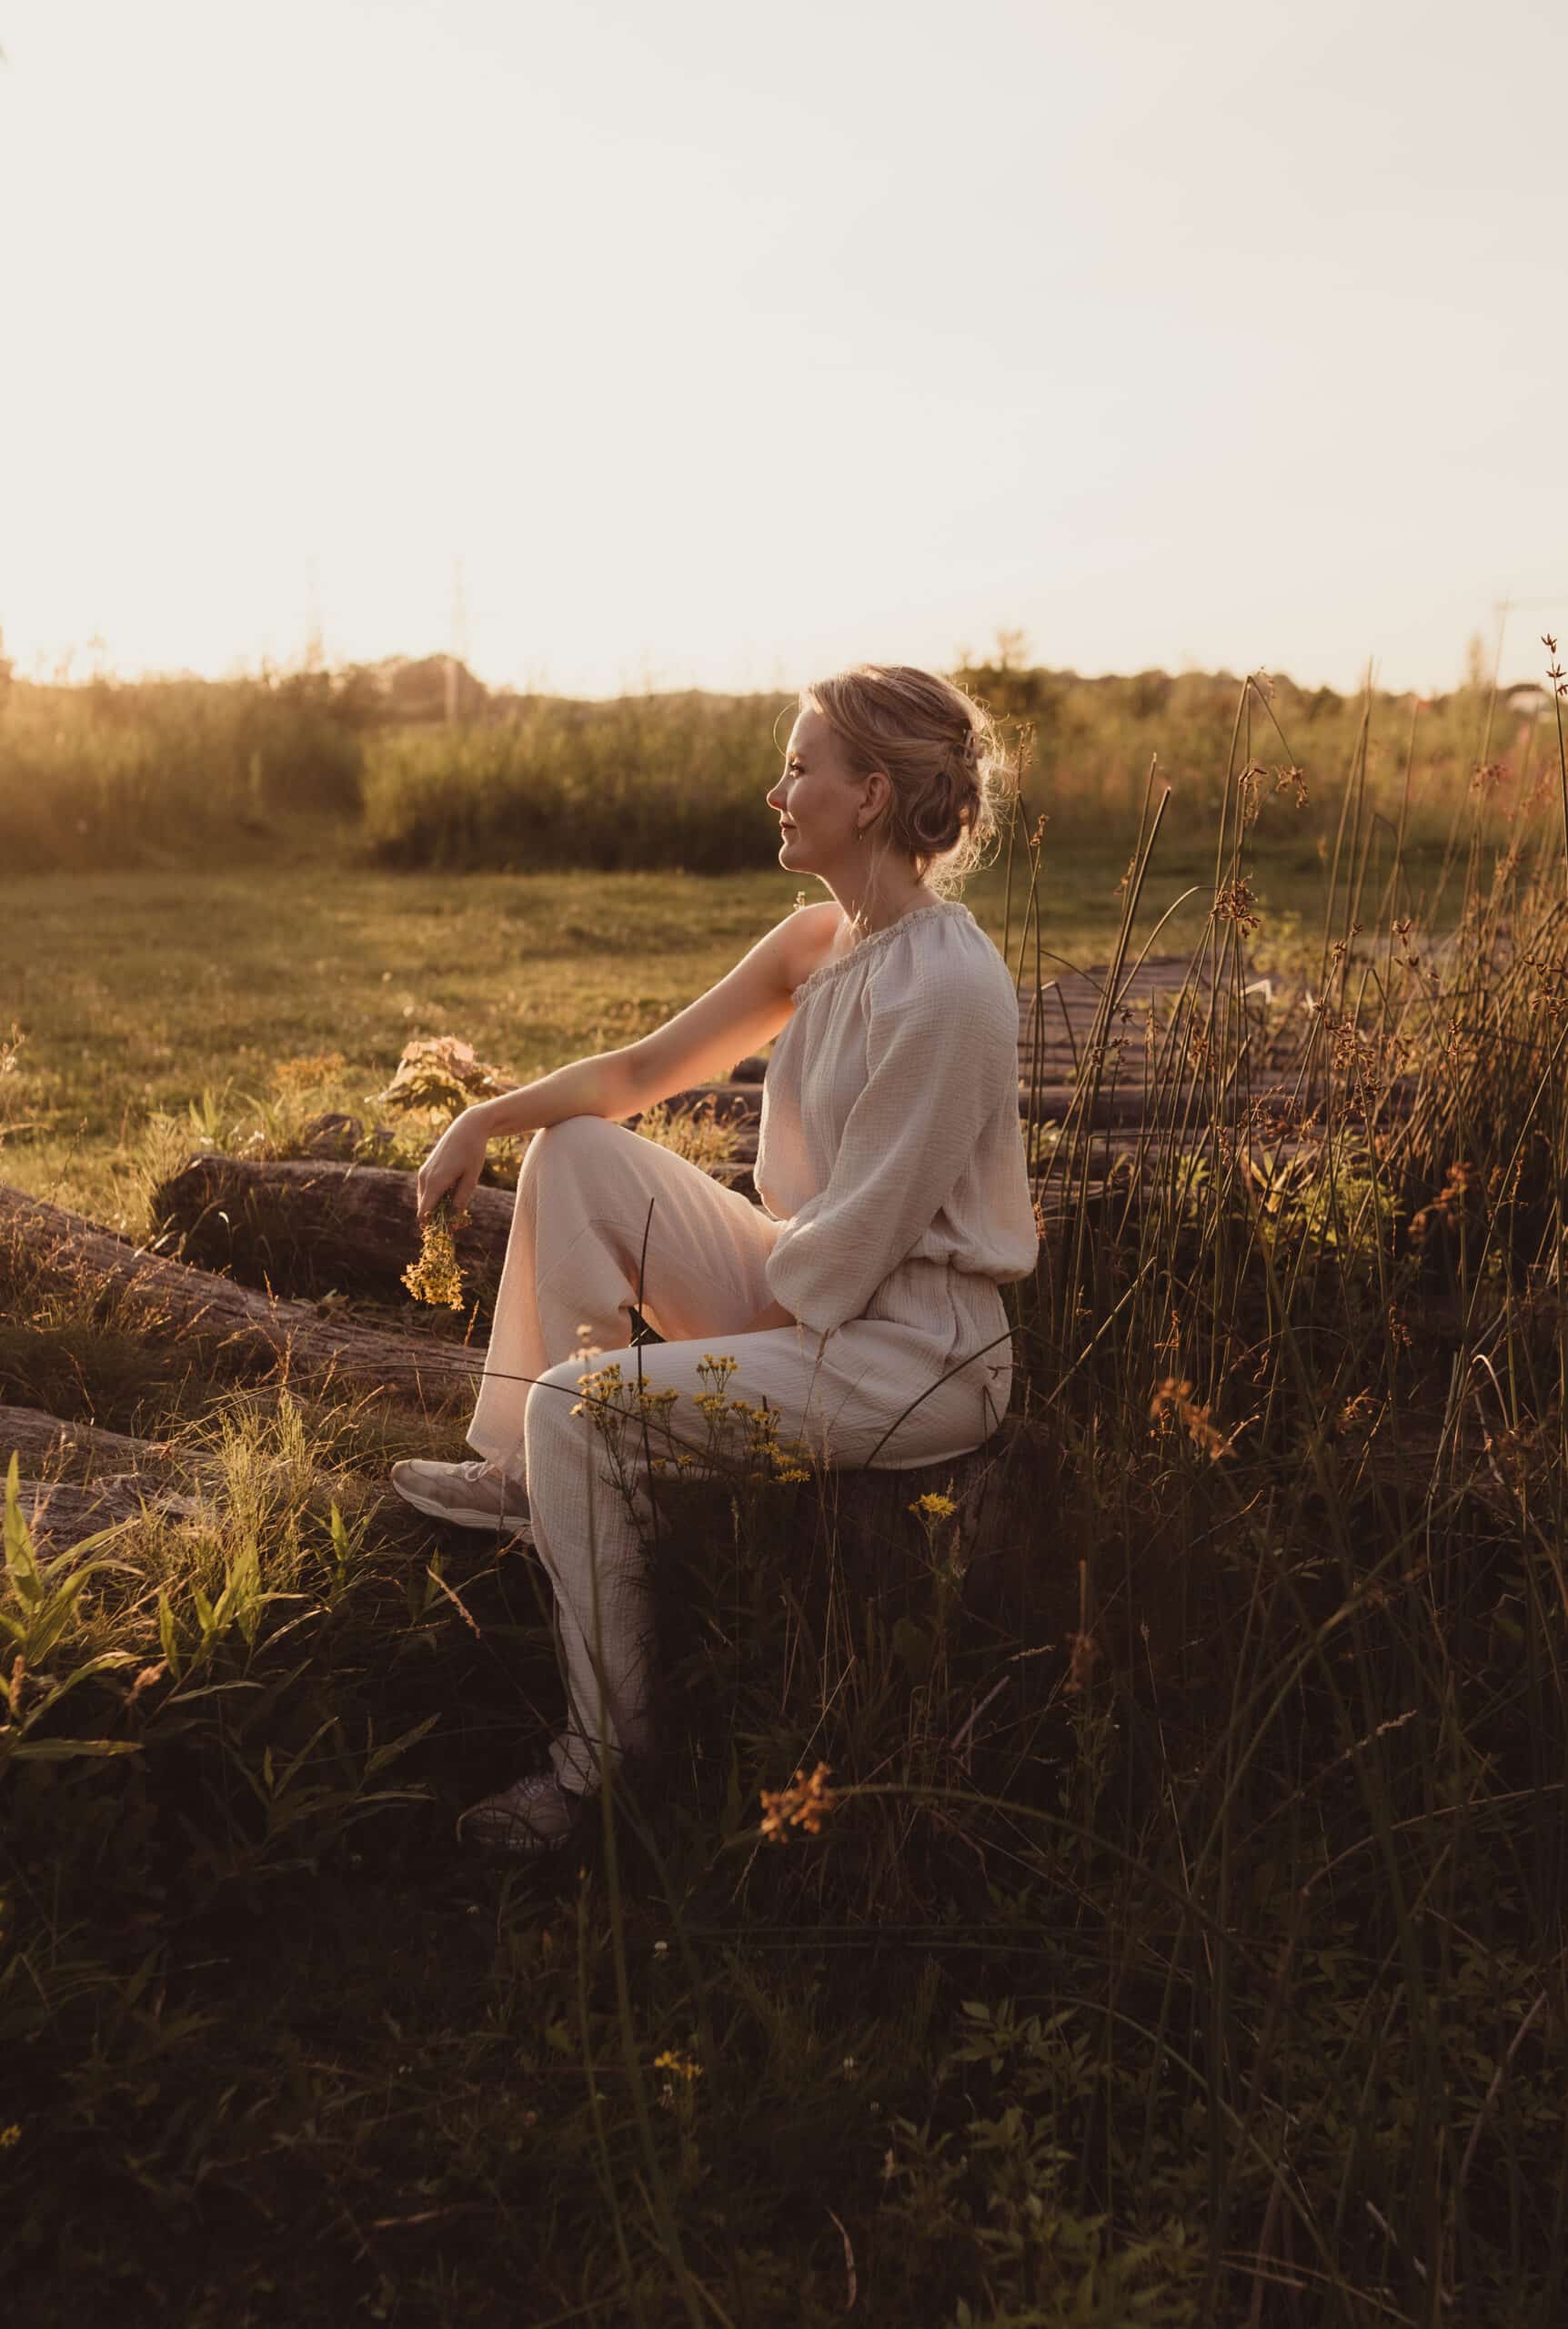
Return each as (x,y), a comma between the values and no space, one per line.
(934,1506)
(435,1277)
(804,1803)
(1174,1398)
(682,2066)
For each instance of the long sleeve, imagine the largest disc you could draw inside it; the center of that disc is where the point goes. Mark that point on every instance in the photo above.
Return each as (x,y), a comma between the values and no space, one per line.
(942,1066)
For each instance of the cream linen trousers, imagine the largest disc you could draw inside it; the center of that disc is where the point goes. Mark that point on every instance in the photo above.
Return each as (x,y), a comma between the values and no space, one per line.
(572,1274)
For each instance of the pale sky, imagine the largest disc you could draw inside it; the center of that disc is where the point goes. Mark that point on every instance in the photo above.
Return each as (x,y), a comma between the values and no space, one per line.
(725,345)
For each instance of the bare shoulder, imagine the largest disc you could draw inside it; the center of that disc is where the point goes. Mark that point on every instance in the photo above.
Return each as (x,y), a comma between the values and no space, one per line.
(807,939)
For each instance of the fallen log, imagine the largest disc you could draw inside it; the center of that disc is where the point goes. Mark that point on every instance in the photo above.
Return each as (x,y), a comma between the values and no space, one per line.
(316,1226)
(63,1513)
(35,1438)
(53,1251)
(1130,1105)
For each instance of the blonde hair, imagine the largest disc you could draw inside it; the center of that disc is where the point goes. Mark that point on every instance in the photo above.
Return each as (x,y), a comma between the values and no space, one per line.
(941,754)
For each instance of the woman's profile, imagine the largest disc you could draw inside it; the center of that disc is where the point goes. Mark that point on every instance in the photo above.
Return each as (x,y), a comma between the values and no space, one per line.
(860,1301)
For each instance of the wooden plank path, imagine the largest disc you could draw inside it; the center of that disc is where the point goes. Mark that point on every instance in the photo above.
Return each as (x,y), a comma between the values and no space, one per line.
(1057,1019)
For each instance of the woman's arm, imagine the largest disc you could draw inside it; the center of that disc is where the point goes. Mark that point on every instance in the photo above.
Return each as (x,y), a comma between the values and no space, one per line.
(746,1007)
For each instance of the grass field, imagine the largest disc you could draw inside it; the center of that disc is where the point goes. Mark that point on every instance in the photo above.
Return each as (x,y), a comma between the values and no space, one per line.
(1182,1938)
(137,992)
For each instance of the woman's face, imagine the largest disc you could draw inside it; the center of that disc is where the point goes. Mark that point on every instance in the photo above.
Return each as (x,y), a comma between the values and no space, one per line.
(820,804)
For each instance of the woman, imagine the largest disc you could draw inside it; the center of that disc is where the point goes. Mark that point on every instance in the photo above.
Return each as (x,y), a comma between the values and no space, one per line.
(895,1195)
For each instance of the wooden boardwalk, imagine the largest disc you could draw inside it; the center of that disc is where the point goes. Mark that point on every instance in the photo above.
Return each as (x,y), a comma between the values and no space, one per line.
(1057,1019)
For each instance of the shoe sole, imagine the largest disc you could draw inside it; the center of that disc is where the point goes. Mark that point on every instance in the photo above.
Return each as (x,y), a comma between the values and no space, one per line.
(468,1516)
(513,1838)
(514,1843)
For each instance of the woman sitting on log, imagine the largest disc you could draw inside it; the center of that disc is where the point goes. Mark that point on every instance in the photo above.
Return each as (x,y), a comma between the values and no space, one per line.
(895,1200)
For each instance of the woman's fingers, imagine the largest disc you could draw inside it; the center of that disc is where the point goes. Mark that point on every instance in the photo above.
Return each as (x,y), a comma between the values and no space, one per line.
(452,1168)
(431,1186)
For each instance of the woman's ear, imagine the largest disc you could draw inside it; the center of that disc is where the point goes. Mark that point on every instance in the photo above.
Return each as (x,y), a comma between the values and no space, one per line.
(881,791)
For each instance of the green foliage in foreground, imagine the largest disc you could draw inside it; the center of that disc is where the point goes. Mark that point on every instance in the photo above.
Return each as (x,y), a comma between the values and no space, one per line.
(1184,1945)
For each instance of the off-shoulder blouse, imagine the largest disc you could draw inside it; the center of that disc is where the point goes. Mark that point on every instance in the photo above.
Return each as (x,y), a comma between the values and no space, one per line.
(890,1120)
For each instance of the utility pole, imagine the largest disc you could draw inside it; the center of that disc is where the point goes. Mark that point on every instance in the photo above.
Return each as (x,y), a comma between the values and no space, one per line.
(314,654)
(459,647)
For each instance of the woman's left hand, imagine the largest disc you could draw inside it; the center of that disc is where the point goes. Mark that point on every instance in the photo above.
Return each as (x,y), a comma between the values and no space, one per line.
(454,1166)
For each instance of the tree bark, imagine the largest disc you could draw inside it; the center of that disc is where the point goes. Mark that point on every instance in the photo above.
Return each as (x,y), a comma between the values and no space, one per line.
(36,1437)
(63,1513)
(318,1227)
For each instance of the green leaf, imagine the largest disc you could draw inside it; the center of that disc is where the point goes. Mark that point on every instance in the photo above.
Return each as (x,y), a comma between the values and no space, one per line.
(381,1757)
(168,1641)
(20,1561)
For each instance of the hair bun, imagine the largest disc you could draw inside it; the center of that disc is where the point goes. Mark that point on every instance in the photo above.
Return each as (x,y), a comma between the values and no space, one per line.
(939,747)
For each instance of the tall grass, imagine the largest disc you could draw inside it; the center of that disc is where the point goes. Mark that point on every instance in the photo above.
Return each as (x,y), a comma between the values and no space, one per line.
(680,780)
(1182,1939)
(115,773)
(111,772)
(644,781)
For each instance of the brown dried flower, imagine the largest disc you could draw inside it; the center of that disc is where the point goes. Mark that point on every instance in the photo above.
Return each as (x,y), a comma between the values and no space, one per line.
(1235,902)
(1173,1397)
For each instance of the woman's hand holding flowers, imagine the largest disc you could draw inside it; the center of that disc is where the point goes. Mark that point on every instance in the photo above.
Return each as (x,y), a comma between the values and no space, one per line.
(454,1166)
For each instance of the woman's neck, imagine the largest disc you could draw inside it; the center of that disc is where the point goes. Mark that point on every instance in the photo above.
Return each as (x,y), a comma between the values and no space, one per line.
(879,909)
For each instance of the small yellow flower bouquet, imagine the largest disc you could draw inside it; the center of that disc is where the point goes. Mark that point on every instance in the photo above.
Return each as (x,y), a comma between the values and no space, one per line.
(435,1277)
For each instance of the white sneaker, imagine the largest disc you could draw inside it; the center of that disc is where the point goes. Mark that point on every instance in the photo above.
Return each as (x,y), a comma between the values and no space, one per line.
(465,1496)
(533,1815)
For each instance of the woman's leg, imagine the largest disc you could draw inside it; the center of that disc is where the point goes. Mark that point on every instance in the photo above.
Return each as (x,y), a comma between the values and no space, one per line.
(605,1219)
(590,1528)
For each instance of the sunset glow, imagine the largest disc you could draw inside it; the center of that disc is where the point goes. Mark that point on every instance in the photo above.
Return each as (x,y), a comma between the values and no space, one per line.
(712,345)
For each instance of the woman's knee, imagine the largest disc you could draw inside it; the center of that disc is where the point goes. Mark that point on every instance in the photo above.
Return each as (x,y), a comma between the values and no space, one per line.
(571,1142)
(577,1141)
(557,1402)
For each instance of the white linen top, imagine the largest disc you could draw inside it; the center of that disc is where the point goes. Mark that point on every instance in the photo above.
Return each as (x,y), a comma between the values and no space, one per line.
(890,1125)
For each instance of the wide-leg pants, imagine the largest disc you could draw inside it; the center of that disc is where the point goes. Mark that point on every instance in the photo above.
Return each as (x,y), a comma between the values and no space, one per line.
(605,1219)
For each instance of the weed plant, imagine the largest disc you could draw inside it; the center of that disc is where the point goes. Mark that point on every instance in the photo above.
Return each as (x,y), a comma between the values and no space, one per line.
(1129,1891)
